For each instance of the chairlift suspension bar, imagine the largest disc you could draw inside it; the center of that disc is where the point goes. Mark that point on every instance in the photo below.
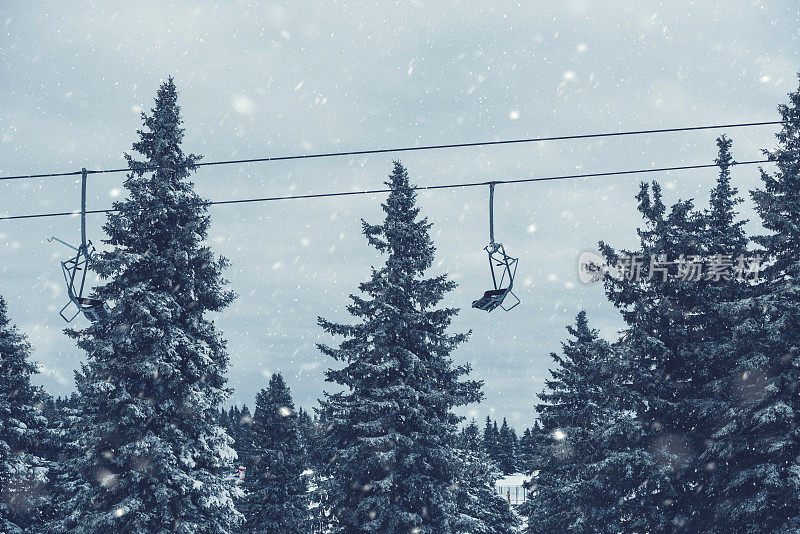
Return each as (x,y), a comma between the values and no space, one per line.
(83,247)
(83,208)
(491,229)
(491,212)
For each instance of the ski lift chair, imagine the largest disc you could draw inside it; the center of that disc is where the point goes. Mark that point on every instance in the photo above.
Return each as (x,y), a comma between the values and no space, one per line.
(503,268)
(499,260)
(75,269)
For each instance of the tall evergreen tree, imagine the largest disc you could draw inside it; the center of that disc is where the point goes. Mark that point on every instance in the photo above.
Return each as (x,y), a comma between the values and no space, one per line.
(480,509)
(319,452)
(491,443)
(507,449)
(392,426)
(315,445)
(307,428)
(23,474)
(305,425)
(756,452)
(277,498)
(724,232)
(663,306)
(240,429)
(63,443)
(527,450)
(592,472)
(489,438)
(723,240)
(155,459)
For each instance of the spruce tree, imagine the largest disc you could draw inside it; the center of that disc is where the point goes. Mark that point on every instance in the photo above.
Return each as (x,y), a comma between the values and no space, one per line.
(63,444)
(675,324)
(724,231)
(756,450)
(310,432)
(155,460)
(495,444)
(319,453)
(593,475)
(23,473)
(305,425)
(491,443)
(723,238)
(480,509)
(527,450)
(241,432)
(276,489)
(489,438)
(506,449)
(392,426)
(664,308)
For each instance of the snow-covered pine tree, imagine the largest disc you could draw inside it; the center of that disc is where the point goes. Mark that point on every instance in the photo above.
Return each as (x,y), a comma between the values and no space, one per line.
(155,458)
(392,426)
(757,471)
(495,445)
(240,422)
(722,237)
(527,449)
(488,436)
(491,441)
(318,455)
(507,448)
(62,445)
(724,231)
(23,474)
(480,509)
(276,490)
(222,419)
(469,437)
(663,308)
(305,425)
(592,475)
(307,428)
(315,446)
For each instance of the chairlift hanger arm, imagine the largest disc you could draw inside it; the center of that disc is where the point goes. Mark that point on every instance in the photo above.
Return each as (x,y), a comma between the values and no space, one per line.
(491,213)
(62,242)
(83,208)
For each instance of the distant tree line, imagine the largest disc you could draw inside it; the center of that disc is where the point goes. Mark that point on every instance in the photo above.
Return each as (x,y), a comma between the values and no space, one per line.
(505,453)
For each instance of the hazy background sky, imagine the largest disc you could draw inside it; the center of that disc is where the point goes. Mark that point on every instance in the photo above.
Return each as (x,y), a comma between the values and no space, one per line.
(301,77)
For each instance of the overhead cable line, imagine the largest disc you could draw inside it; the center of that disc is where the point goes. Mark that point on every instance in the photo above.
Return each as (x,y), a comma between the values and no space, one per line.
(411,149)
(417,188)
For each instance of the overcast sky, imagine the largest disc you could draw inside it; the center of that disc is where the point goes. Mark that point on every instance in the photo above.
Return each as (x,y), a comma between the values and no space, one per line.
(302,77)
